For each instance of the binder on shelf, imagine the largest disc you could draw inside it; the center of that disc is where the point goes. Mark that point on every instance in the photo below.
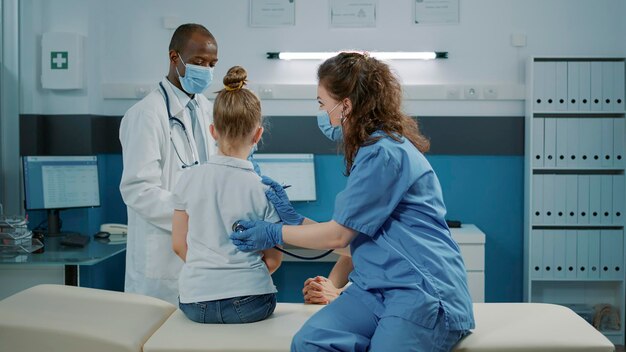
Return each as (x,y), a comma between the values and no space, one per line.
(607,86)
(548,254)
(573,85)
(595,134)
(619,193)
(539,78)
(562,141)
(596,86)
(536,259)
(570,254)
(560,248)
(595,199)
(573,142)
(571,199)
(549,144)
(549,216)
(606,199)
(550,86)
(618,142)
(606,254)
(537,203)
(593,237)
(560,200)
(583,199)
(606,143)
(586,144)
(561,86)
(582,254)
(585,86)
(537,137)
(618,87)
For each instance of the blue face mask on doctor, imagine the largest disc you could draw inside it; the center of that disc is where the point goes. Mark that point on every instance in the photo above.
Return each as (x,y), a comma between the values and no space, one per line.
(334,133)
(197,78)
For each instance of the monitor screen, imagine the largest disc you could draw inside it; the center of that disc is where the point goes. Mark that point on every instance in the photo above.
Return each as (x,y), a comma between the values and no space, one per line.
(61,182)
(296,170)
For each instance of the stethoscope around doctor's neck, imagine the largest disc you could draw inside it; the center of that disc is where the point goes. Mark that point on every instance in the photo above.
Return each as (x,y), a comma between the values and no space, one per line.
(175,121)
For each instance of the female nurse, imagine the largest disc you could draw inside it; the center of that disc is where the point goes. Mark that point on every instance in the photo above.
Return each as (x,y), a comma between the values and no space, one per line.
(409,287)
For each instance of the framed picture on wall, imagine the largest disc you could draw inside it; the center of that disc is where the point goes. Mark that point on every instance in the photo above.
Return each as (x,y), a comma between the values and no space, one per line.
(272,13)
(353,13)
(436,12)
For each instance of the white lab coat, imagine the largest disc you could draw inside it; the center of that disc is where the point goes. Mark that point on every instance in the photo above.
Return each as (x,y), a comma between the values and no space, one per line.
(151,170)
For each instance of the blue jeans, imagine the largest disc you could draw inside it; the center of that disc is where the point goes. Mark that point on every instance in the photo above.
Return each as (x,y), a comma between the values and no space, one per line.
(236,310)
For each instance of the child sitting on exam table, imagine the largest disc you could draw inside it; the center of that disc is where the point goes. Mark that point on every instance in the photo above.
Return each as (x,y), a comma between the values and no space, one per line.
(218,283)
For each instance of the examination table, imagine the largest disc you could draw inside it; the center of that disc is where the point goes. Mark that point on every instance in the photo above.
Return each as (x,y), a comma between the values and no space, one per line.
(59,318)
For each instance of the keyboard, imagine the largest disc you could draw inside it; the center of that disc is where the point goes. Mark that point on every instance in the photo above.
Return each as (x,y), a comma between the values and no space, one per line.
(75,240)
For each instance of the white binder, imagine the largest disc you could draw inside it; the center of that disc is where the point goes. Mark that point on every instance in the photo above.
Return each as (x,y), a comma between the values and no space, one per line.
(573,85)
(539,82)
(594,254)
(596,86)
(549,216)
(595,134)
(548,254)
(618,87)
(573,142)
(619,193)
(607,86)
(595,200)
(606,199)
(583,199)
(561,86)
(585,86)
(582,257)
(585,147)
(570,254)
(537,217)
(549,145)
(550,85)
(606,142)
(536,260)
(618,142)
(560,248)
(561,141)
(560,207)
(571,199)
(538,137)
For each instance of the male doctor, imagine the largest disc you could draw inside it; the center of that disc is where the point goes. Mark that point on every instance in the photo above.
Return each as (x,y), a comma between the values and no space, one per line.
(161,136)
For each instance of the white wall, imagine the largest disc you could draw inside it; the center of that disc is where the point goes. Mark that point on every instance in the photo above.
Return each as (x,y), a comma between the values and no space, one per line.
(126,43)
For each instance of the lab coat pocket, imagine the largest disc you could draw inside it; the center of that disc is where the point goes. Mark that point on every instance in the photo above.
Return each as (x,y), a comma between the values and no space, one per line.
(161,261)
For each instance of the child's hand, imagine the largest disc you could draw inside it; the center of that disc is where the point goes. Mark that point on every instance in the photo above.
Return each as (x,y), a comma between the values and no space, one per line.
(320,290)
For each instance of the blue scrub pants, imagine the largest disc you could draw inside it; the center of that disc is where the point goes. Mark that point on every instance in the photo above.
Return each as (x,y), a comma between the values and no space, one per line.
(349,325)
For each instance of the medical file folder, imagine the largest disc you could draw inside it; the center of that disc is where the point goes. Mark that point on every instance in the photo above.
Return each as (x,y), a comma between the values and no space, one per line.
(561,141)
(618,142)
(549,144)
(595,199)
(573,142)
(561,86)
(585,86)
(570,254)
(560,249)
(606,199)
(538,137)
(583,199)
(607,86)
(550,86)
(571,199)
(560,194)
(606,143)
(573,85)
(548,254)
(549,217)
(618,87)
(539,80)
(619,193)
(582,254)
(593,237)
(536,260)
(595,136)
(537,202)
(596,86)
(585,144)
(612,254)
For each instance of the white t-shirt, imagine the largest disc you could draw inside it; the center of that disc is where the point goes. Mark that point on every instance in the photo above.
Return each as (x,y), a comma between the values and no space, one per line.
(215,195)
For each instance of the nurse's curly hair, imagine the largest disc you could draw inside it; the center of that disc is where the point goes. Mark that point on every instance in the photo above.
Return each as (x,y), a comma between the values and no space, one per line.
(376,96)
(236,110)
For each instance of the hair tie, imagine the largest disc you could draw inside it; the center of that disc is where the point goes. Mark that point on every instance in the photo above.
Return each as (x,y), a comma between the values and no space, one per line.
(230,89)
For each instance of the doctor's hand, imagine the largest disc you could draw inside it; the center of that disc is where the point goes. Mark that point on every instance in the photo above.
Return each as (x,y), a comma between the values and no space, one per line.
(320,290)
(257,236)
(277,195)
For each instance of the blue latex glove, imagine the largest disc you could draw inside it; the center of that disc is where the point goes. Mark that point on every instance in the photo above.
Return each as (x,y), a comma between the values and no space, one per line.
(257,236)
(277,195)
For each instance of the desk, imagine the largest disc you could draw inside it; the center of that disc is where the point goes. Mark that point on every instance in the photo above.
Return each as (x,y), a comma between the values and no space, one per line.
(55,256)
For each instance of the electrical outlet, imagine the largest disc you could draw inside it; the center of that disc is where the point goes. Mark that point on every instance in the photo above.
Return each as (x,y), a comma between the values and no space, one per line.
(453,93)
(490,92)
(266,93)
(471,92)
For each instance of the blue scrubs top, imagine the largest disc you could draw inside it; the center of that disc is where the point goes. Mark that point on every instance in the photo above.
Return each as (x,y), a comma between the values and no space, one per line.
(406,263)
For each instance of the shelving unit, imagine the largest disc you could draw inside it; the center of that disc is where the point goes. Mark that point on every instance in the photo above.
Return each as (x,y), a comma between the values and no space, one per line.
(575,188)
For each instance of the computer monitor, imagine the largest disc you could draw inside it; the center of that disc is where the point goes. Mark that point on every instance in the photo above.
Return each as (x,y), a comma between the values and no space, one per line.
(296,170)
(54,183)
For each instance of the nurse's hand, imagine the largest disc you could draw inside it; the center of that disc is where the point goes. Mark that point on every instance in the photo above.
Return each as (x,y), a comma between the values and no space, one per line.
(277,195)
(320,290)
(257,236)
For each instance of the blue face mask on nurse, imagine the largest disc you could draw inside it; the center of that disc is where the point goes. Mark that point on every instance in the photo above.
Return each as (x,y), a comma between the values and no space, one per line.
(334,133)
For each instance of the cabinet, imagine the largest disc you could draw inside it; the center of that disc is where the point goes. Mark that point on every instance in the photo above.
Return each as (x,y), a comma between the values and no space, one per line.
(575,188)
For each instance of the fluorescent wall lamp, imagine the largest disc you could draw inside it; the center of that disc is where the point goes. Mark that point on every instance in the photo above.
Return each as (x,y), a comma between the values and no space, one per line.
(400,55)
